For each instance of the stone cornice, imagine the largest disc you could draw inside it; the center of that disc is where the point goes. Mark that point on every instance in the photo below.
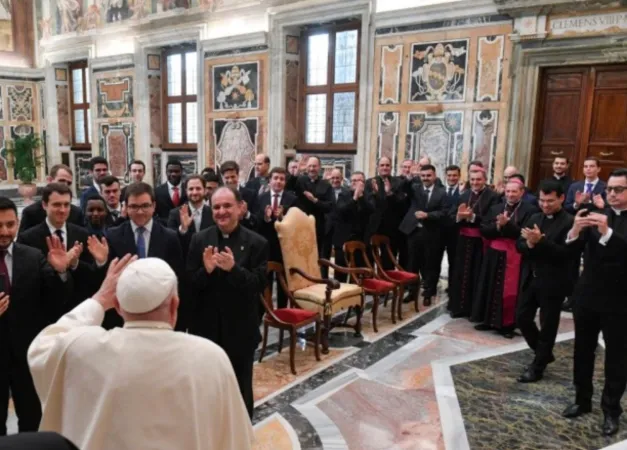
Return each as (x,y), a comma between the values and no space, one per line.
(519,7)
(443,11)
(21,74)
(112,62)
(256,39)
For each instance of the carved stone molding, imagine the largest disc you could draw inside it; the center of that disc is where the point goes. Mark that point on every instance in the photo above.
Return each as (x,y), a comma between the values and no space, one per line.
(520,7)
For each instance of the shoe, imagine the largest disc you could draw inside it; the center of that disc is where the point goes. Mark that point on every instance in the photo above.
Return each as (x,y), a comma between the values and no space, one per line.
(576,410)
(568,305)
(457,315)
(610,425)
(427,301)
(409,298)
(530,375)
(483,327)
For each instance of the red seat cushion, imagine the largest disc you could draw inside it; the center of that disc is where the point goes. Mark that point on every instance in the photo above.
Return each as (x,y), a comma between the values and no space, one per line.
(378,286)
(293,315)
(399,275)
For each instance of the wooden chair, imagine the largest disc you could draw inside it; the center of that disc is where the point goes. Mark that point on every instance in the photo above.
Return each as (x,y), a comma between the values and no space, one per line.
(290,319)
(306,287)
(372,285)
(398,275)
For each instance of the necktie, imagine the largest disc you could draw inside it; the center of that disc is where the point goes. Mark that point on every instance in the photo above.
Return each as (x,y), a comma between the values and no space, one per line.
(115,213)
(59,234)
(427,194)
(176,198)
(588,188)
(337,195)
(4,272)
(141,242)
(275,202)
(450,191)
(196,219)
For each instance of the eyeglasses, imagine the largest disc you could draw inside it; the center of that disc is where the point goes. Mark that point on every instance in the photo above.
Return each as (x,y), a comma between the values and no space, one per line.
(616,189)
(143,207)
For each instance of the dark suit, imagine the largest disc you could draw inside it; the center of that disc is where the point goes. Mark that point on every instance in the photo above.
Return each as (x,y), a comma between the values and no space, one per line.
(164,202)
(37,296)
(267,230)
(87,193)
(600,306)
(449,232)
(174,222)
(565,182)
(580,186)
(44,440)
(163,244)
(388,213)
(545,279)
(227,303)
(35,214)
(86,281)
(423,236)
(250,197)
(256,183)
(321,190)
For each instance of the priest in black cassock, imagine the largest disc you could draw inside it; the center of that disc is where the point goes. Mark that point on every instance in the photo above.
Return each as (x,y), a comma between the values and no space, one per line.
(497,295)
(226,266)
(474,205)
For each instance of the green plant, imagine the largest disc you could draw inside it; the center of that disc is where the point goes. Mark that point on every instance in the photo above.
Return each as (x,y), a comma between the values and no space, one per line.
(24,151)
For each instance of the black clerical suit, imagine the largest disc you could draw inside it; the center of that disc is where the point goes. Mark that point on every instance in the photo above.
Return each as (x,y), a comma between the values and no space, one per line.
(250,219)
(600,306)
(226,310)
(333,235)
(266,229)
(545,279)
(423,235)
(256,185)
(35,214)
(564,181)
(323,192)
(389,210)
(163,244)
(37,300)
(163,201)
(174,223)
(86,279)
(44,440)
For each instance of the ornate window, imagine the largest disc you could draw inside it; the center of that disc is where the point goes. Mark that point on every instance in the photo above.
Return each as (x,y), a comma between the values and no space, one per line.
(330,87)
(79,106)
(180,104)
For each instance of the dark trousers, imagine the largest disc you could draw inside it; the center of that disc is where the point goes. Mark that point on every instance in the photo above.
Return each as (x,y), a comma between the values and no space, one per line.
(340,260)
(17,378)
(386,261)
(540,340)
(588,324)
(44,440)
(423,248)
(448,244)
(281,297)
(244,373)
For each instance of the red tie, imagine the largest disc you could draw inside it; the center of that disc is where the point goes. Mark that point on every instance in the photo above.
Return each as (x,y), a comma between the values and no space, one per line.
(275,202)
(4,272)
(175,196)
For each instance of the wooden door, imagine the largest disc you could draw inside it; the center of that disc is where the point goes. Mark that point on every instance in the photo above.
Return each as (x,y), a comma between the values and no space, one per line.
(582,111)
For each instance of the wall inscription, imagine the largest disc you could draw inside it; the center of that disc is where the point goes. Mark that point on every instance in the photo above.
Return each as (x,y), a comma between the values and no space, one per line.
(592,24)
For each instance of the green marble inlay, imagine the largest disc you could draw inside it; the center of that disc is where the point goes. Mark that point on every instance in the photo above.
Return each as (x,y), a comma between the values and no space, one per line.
(502,414)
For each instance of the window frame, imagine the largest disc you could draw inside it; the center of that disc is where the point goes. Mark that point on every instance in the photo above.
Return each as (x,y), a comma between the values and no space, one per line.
(329,89)
(182,99)
(85,106)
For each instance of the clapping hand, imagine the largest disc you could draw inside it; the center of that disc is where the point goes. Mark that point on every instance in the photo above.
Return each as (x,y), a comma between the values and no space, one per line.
(581,198)
(420,215)
(225,260)
(359,191)
(374,185)
(502,220)
(532,235)
(208,259)
(278,213)
(463,212)
(4,303)
(268,213)
(74,253)
(99,249)
(185,218)
(57,256)
(598,201)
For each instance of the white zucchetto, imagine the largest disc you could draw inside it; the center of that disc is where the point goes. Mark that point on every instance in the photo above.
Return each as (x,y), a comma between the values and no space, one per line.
(144,285)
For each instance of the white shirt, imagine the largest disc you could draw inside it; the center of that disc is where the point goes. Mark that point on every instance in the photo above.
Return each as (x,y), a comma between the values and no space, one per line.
(8,260)
(97,186)
(594,185)
(278,200)
(196,215)
(53,231)
(337,193)
(143,386)
(147,233)
(118,210)
(606,237)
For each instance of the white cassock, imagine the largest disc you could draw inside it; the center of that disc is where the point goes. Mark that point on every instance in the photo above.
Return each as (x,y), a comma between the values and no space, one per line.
(141,387)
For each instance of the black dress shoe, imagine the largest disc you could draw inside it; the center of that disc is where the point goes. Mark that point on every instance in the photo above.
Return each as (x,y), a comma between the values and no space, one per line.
(427,301)
(576,410)
(457,315)
(409,298)
(610,425)
(568,305)
(483,327)
(530,375)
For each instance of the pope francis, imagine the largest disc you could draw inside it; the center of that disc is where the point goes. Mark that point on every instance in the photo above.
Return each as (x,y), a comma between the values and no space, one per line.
(143,386)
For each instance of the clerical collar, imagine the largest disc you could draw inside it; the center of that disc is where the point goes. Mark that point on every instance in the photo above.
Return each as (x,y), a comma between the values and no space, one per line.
(552,216)
(619,212)
(558,178)
(232,234)
(149,324)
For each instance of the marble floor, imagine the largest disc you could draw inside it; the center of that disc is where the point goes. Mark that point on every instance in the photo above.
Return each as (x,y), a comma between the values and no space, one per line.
(428,382)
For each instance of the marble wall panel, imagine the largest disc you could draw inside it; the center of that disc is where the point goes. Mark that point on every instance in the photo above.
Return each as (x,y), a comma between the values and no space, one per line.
(82,179)
(236,140)
(484,138)
(236,86)
(438,71)
(292,74)
(157,167)
(342,162)
(115,97)
(63,113)
(188,160)
(154,92)
(20,103)
(438,136)
(387,137)
(117,145)
(489,68)
(391,69)
(3,156)
(1,105)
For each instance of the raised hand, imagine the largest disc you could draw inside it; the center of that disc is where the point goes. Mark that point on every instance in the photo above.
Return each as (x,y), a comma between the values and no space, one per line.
(598,201)
(57,256)
(374,185)
(185,218)
(99,249)
(4,303)
(225,260)
(208,259)
(359,190)
(74,254)
(268,213)
(463,211)
(106,294)
(278,213)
